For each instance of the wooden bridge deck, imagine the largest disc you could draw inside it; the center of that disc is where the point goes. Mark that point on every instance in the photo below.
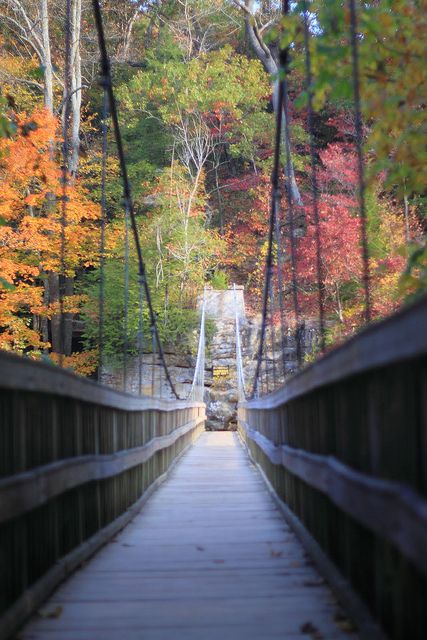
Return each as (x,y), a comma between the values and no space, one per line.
(209,557)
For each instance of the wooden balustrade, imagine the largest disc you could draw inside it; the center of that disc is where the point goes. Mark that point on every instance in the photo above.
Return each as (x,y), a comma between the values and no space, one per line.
(77,460)
(344,445)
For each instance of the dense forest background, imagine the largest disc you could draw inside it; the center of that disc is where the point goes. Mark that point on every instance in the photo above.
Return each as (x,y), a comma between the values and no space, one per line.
(194,81)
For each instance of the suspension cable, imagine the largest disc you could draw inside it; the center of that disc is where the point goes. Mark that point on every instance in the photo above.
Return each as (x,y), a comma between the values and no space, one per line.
(359,142)
(314,183)
(101,301)
(284,67)
(241,386)
(126,300)
(106,74)
(64,199)
(198,384)
(275,197)
(280,283)
(273,333)
(140,333)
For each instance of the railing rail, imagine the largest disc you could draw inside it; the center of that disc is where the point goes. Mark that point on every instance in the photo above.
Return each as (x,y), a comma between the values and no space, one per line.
(76,461)
(344,444)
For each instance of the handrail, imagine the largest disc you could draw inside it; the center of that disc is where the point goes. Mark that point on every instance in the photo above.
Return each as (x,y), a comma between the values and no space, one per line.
(76,459)
(18,372)
(390,509)
(26,491)
(343,444)
(400,337)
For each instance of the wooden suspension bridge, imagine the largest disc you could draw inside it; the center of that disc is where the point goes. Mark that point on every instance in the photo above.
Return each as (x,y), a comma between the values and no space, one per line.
(225,547)
(309,522)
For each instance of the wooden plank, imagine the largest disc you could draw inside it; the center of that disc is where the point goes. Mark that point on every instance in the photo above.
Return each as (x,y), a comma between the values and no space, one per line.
(37,593)
(392,510)
(357,609)
(183,633)
(213,566)
(23,492)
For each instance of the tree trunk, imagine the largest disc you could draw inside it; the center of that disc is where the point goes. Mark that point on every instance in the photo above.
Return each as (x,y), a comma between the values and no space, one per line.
(47,59)
(128,34)
(44,320)
(219,198)
(270,65)
(76,86)
(406,211)
(68,319)
(61,333)
(55,321)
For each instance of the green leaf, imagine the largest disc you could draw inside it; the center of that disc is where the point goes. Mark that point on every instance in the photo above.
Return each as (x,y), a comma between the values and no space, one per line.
(6,285)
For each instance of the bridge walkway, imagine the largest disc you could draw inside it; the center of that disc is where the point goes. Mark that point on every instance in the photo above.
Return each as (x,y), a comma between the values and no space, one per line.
(209,557)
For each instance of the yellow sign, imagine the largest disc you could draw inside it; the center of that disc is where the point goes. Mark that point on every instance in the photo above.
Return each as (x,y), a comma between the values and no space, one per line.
(220,372)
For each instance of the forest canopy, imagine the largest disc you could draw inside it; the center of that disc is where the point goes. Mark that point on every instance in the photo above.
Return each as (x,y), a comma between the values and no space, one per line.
(194,81)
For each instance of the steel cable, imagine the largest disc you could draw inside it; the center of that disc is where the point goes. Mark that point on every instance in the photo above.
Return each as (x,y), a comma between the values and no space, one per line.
(106,75)
(358,125)
(314,183)
(64,171)
(101,301)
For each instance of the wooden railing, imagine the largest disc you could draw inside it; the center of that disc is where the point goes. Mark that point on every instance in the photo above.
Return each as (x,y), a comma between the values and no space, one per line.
(77,460)
(344,445)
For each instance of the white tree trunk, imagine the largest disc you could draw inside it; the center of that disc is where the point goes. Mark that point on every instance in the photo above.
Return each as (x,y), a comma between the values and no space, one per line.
(47,58)
(76,86)
(270,65)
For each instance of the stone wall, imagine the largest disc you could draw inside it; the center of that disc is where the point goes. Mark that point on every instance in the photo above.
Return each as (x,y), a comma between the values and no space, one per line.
(220,363)
(221,304)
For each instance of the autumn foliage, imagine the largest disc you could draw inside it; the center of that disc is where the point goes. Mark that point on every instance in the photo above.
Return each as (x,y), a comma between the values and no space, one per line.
(196,112)
(31,195)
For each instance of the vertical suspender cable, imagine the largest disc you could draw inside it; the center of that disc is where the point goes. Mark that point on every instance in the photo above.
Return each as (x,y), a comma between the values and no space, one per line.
(101,327)
(266,379)
(64,200)
(273,333)
(275,198)
(140,334)
(126,301)
(359,142)
(198,385)
(280,283)
(106,74)
(241,386)
(153,361)
(314,183)
(284,64)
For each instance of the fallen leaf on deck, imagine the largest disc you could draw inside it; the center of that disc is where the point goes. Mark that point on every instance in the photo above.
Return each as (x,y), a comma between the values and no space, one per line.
(309,629)
(51,613)
(313,583)
(344,623)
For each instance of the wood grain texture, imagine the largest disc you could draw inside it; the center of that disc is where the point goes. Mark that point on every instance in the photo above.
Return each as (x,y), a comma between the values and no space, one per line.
(26,491)
(209,556)
(33,597)
(19,373)
(392,510)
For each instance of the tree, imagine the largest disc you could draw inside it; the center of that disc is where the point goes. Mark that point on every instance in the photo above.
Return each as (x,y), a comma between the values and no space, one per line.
(31,236)
(252,11)
(199,103)
(340,246)
(29,23)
